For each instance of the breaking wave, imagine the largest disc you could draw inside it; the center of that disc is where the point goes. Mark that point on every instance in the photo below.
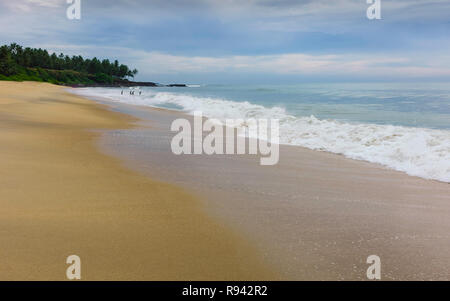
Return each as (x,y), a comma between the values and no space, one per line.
(418,152)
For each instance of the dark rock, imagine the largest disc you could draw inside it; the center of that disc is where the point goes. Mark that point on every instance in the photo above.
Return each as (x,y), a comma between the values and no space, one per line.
(177,85)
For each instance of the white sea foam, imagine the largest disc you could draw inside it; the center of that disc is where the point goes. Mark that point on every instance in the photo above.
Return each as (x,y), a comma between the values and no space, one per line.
(416,151)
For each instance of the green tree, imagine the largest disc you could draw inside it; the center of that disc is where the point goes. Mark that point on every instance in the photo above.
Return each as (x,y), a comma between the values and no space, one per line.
(38,64)
(7,64)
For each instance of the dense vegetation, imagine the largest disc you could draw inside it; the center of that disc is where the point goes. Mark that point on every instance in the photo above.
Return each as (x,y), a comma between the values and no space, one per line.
(30,64)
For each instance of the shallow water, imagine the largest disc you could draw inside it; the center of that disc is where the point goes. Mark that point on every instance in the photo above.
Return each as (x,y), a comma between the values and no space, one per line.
(405,127)
(313,216)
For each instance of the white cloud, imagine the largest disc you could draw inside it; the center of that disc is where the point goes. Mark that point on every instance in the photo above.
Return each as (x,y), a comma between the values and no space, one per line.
(244,20)
(46,3)
(29,5)
(151,64)
(292,64)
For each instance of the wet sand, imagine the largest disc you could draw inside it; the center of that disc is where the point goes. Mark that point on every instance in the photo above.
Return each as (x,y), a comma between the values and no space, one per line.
(315,215)
(60,196)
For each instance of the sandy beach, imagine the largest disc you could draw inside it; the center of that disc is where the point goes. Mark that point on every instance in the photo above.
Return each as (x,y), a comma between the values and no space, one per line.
(212,148)
(60,196)
(313,216)
(97,179)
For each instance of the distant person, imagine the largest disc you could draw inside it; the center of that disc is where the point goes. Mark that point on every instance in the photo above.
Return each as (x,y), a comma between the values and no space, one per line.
(121,93)
(140,92)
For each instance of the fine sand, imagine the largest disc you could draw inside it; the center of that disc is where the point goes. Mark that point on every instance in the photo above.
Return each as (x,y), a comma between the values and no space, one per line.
(313,216)
(60,196)
(76,177)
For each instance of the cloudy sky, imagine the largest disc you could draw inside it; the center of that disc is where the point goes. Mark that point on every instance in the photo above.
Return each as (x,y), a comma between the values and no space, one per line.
(211,41)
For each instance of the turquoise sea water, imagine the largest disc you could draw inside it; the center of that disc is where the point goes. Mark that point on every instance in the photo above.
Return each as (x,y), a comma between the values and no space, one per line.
(401,126)
(412,104)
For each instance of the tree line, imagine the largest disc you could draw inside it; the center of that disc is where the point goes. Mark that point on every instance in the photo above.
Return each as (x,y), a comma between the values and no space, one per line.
(17,60)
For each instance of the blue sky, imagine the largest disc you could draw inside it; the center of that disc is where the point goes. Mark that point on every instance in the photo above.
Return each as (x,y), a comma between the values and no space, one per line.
(211,41)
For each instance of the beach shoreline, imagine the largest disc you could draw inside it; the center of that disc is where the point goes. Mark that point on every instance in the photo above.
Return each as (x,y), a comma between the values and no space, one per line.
(377,131)
(60,196)
(315,215)
(97,179)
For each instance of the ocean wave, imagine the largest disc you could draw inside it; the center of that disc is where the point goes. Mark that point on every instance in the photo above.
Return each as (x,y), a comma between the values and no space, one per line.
(416,151)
